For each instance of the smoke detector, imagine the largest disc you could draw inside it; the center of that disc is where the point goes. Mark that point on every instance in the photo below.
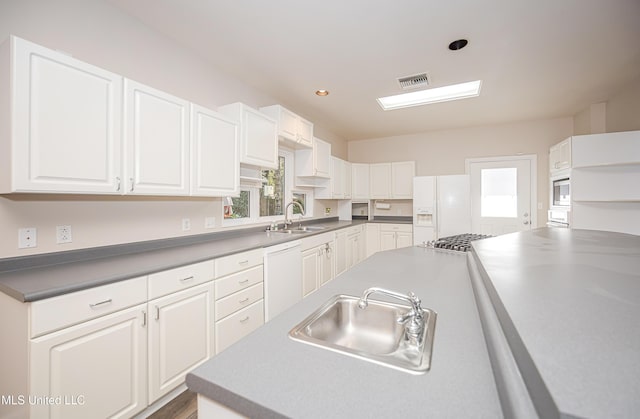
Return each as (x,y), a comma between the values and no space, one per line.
(414,82)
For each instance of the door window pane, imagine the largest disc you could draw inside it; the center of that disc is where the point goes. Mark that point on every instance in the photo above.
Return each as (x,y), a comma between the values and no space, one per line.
(499,192)
(273,191)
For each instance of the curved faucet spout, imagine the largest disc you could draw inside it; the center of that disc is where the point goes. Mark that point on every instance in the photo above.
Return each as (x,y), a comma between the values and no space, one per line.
(413,318)
(287,221)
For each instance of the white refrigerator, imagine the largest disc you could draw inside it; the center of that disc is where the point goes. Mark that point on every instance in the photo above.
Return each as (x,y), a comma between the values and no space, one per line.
(441,207)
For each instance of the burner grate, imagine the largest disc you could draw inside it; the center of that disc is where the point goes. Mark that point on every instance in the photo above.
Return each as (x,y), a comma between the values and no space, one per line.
(459,243)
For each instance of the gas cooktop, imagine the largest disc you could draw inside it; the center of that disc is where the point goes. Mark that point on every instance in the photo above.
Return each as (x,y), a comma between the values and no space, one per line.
(459,243)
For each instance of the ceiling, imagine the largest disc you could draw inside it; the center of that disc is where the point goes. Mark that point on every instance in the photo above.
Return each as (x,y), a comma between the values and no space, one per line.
(536,59)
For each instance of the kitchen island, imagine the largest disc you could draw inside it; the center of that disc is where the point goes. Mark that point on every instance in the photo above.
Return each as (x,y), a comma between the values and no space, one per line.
(269,375)
(566,304)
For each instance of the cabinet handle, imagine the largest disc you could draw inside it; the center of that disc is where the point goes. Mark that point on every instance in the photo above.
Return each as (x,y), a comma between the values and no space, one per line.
(244,300)
(157,313)
(244,320)
(243,262)
(131,180)
(144,318)
(187,279)
(244,281)
(118,184)
(101,303)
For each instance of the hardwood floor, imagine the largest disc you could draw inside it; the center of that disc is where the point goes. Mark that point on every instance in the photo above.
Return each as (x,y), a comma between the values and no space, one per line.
(184,406)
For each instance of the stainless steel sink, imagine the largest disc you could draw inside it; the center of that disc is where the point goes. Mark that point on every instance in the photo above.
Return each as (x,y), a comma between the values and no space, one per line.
(373,333)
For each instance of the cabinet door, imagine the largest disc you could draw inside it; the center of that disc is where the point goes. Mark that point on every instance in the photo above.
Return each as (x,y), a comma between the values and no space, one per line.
(180,337)
(215,154)
(560,156)
(404,239)
(99,368)
(259,139)
(326,263)
(359,181)
(337,178)
(387,240)
(305,132)
(67,124)
(341,252)
(157,141)
(346,179)
(380,180)
(402,174)
(373,239)
(322,158)
(310,269)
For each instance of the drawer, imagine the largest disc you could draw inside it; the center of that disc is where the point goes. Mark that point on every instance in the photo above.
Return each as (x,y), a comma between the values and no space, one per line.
(238,300)
(238,281)
(236,326)
(69,309)
(407,228)
(172,280)
(238,262)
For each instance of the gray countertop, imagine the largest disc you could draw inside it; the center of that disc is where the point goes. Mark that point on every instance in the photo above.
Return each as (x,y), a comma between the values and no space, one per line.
(267,374)
(43,276)
(569,301)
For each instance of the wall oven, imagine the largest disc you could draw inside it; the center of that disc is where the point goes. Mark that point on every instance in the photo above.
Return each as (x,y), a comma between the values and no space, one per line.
(559,214)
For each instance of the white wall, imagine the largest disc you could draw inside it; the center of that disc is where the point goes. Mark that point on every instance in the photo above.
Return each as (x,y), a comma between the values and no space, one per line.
(98,33)
(444,152)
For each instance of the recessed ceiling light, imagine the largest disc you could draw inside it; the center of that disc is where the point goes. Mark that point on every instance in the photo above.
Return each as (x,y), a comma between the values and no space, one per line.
(322,92)
(424,97)
(458,44)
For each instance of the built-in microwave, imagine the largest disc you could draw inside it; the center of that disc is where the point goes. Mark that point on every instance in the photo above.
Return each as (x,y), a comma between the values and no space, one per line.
(561,192)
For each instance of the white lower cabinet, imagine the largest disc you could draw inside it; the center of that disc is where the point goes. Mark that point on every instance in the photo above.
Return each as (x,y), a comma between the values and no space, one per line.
(239,293)
(317,266)
(395,236)
(355,246)
(180,337)
(372,233)
(97,368)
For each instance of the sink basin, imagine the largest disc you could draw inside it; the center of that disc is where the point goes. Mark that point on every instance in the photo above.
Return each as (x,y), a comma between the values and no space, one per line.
(371,334)
(299,230)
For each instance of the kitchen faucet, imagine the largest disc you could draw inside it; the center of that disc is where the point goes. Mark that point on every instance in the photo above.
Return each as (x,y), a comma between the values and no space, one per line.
(287,221)
(414,318)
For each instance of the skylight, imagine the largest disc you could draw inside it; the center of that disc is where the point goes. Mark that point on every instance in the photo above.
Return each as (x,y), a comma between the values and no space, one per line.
(438,94)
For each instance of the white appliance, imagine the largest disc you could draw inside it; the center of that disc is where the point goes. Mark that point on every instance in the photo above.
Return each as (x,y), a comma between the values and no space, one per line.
(282,277)
(441,207)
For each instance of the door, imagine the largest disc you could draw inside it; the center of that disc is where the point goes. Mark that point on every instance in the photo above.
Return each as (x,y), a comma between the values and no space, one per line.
(157,141)
(402,174)
(326,263)
(98,368)
(404,239)
(310,269)
(380,180)
(387,240)
(501,194)
(180,337)
(259,139)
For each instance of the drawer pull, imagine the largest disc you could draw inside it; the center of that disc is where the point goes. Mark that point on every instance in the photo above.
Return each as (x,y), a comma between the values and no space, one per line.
(243,262)
(244,320)
(144,318)
(101,303)
(187,279)
(244,281)
(244,300)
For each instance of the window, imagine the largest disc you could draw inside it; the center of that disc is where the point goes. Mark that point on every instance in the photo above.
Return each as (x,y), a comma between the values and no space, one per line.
(499,192)
(266,201)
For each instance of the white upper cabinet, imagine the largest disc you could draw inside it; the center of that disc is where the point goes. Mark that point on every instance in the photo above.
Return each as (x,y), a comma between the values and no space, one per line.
(560,156)
(258,135)
(402,174)
(292,129)
(346,179)
(313,166)
(61,122)
(215,154)
(391,180)
(156,137)
(359,181)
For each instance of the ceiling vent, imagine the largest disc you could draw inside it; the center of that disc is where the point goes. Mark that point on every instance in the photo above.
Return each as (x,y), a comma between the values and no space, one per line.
(413,82)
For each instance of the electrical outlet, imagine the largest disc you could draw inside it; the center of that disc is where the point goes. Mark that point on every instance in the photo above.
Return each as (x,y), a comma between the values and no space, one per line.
(186,224)
(327,211)
(27,237)
(63,234)
(209,222)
